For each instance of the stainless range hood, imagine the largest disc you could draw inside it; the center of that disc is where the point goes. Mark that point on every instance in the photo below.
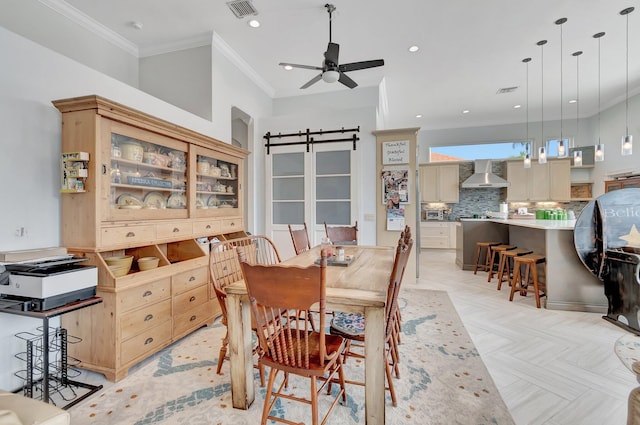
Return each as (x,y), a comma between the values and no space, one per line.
(482,176)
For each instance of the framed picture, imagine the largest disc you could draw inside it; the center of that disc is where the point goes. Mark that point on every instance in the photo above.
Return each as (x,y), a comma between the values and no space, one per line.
(395,187)
(395,152)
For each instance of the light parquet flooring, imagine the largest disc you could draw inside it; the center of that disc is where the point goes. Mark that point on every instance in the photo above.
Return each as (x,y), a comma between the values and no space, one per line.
(551,367)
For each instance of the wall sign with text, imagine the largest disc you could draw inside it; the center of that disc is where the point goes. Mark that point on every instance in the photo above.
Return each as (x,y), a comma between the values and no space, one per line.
(395,152)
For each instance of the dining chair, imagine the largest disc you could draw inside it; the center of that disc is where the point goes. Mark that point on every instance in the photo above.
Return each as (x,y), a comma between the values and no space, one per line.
(342,235)
(300,238)
(279,295)
(351,326)
(225,269)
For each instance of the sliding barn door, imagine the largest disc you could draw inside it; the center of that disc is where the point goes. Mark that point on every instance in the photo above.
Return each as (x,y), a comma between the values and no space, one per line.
(309,187)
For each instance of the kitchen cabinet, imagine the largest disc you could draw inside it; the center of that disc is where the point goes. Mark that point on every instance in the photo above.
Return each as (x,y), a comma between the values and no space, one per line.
(439,183)
(541,182)
(629,182)
(151,189)
(438,234)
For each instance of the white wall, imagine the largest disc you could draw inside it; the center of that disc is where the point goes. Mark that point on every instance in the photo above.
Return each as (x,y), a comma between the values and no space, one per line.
(51,29)
(30,146)
(182,78)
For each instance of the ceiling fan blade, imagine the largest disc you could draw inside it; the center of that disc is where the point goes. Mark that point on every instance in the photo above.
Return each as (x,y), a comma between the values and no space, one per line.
(295,65)
(354,66)
(312,81)
(344,79)
(331,55)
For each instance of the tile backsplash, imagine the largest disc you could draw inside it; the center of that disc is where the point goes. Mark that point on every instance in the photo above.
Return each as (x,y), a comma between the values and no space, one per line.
(479,201)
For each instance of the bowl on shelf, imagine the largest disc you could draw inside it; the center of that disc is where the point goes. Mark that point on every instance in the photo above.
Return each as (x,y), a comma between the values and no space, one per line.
(148,263)
(119,264)
(119,270)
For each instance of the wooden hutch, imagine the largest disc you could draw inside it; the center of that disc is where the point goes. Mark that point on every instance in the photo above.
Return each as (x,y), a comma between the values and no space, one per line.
(152,188)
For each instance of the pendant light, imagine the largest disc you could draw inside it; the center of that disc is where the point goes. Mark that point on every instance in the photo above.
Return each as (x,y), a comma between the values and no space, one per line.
(627,139)
(599,153)
(562,148)
(542,152)
(527,156)
(577,155)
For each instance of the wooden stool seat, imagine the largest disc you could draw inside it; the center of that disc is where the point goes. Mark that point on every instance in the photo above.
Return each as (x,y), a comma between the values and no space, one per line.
(494,252)
(480,247)
(530,263)
(506,261)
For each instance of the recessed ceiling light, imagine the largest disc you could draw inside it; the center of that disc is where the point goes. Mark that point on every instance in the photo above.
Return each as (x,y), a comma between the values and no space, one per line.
(419,116)
(465,111)
(254,23)
(288,67)
(414,49)
(517,106)
(137,25)
(573,101)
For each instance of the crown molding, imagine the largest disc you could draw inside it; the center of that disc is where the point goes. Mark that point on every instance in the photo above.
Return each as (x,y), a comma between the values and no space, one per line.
(241,64)
(186,43)
(76,16)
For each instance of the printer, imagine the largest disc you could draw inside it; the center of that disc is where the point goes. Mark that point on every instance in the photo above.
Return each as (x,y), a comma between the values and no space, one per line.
(43,284)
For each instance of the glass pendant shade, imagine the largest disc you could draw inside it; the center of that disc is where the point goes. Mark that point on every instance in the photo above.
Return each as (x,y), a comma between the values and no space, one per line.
(527,161)
(577,158)
(542,155)
(562,149)
(627,144)
(598,156)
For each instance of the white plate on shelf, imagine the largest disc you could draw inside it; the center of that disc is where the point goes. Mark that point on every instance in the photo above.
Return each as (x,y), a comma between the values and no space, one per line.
(129,200)
(212,202)
(130,207)
(200,202)
(177,200)
(154,200)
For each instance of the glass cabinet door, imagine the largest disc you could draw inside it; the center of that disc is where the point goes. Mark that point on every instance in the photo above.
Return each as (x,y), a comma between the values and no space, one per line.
(217,184)
(147,175)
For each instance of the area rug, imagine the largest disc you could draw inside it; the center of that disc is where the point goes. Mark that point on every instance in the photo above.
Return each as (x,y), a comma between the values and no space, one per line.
(442,381)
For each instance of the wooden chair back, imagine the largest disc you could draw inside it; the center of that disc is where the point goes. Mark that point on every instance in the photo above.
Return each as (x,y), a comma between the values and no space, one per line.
(224,263)
(342,235)
(403,251)
(300,239)
(279,296)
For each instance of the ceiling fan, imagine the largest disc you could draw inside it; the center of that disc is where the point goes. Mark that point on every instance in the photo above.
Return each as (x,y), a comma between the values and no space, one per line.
(331,71)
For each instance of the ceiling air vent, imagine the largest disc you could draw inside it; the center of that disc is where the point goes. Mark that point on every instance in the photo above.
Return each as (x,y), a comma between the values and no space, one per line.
(242,8)
(506,90)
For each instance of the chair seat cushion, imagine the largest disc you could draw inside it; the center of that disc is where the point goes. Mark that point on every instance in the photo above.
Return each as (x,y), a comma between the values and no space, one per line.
(348,324)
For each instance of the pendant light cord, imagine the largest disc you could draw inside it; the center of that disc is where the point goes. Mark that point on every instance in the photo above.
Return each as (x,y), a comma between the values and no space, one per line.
(627,82)
(541,43)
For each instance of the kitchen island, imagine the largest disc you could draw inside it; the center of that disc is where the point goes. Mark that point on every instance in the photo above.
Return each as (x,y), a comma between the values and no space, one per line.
(570,286)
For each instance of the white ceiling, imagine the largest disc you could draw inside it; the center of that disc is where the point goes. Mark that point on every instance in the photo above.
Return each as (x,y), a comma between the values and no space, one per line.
(468,50)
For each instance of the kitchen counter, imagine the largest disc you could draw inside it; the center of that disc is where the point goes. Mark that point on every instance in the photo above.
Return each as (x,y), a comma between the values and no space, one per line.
(570,286)
(539,224)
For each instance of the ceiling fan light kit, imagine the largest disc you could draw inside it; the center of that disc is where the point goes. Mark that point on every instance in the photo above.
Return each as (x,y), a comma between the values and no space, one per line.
(331,70)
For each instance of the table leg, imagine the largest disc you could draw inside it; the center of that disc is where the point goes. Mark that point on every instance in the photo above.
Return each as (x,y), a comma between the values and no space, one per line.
(374,365)
(240,351)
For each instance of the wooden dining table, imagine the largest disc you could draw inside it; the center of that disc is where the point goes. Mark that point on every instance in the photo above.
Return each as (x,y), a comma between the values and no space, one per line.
(359,287)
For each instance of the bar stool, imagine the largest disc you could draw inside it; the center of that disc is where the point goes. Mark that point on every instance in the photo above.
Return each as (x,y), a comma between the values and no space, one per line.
(494,254)
(530,263)
(483,246)
(506,261)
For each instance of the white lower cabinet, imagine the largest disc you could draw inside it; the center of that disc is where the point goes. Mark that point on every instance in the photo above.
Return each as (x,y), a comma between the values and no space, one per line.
(438,234)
